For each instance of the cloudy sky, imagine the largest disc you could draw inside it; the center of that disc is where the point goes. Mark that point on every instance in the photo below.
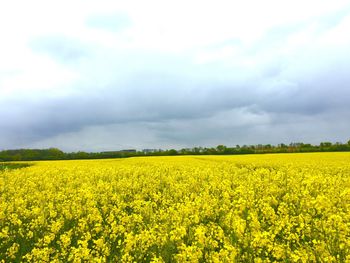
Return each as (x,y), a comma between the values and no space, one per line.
(107,75)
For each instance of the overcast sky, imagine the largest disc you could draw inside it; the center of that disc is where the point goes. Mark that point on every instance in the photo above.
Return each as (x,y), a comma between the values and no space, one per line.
(108,75)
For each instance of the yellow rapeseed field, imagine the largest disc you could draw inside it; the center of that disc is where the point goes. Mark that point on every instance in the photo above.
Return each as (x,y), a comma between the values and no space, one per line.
(254,208)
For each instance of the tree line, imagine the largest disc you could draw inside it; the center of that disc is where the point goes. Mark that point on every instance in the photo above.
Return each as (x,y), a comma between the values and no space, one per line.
(57,154)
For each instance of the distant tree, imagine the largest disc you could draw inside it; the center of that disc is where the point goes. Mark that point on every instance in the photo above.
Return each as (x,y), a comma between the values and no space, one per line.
(221,148)
(81,155)
(306,145)
(197,149)
(172,152)
(185,151)
(325,144)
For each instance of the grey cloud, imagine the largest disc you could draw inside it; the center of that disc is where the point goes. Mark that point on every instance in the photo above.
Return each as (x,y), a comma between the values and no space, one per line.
(162,98)
(221,128)
(174,108)
(326,91)
(210,130)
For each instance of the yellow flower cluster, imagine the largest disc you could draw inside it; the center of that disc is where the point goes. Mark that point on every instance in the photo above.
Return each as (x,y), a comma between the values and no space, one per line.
(254,208)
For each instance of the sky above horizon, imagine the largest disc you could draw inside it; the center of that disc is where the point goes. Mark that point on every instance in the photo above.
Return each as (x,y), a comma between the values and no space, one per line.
(110,75)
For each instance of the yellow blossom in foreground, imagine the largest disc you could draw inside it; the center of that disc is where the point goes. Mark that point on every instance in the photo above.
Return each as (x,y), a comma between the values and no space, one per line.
(254,208)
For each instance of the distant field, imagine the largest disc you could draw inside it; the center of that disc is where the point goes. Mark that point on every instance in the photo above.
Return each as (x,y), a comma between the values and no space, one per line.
(253,208)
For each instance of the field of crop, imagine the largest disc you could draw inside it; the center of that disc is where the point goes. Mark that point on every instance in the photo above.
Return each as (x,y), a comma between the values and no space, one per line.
(254,208)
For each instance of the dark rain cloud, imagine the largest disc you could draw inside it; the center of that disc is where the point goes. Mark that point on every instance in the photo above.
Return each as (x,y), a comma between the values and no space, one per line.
(179,111)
